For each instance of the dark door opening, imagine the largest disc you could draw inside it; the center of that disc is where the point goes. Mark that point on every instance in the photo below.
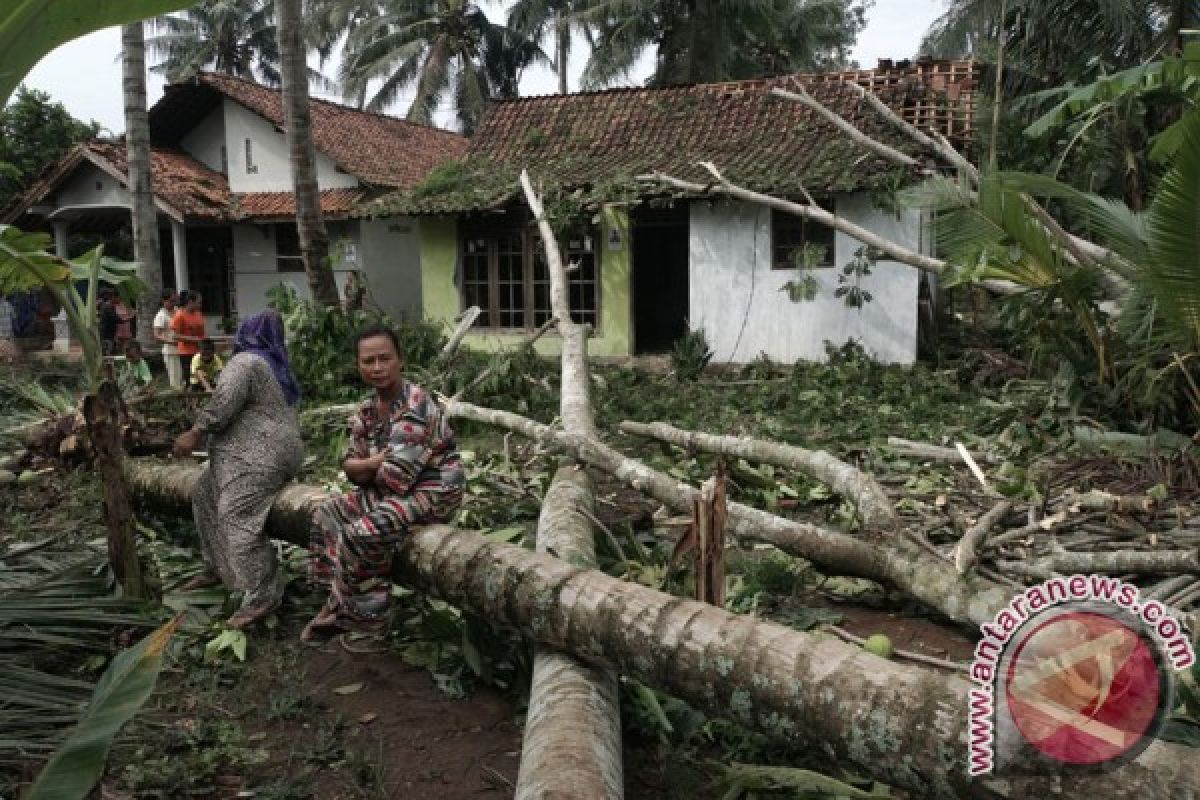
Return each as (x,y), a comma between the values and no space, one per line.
(660,278)
(209,260)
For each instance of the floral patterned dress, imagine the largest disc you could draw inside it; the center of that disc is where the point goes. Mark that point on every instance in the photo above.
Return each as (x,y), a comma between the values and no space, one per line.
(421,481)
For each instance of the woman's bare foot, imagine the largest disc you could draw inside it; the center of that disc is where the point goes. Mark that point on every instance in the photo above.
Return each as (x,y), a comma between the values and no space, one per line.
(245,617)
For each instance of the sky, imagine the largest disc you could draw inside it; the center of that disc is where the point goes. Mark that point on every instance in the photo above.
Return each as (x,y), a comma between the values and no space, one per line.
(85,75)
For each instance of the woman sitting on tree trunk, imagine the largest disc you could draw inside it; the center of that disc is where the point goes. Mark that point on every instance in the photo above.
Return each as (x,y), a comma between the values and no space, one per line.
(404,460)
(254,449)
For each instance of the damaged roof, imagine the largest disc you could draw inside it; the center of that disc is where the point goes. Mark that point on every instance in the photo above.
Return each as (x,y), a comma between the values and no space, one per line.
(603,140)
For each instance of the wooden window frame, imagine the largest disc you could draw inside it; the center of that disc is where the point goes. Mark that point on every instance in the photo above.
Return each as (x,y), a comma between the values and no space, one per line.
(805,225)
(532,254)
(287,262)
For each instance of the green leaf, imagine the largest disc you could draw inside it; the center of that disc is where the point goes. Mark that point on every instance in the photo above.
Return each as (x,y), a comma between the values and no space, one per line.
(29,29)
(233,641)
(746,777)
(349,688)
(123,689)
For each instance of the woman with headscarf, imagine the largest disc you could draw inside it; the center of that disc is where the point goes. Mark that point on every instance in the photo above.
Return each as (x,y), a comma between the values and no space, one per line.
(254,449)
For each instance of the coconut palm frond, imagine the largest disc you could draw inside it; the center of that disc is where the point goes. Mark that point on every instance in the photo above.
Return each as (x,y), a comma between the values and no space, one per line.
(57,611)
(1172,273)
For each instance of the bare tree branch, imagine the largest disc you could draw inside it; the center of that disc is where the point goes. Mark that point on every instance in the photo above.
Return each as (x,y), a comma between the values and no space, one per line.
(878,147)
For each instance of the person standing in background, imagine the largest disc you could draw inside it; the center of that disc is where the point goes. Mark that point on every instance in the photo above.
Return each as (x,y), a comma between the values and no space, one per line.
(107,321)
(188,325)
(164,335)
(125,322)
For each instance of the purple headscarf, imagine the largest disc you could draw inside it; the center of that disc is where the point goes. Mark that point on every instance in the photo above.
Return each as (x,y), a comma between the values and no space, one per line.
(262,334)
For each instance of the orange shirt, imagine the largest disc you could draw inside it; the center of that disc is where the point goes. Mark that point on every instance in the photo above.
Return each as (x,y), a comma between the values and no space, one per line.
(188,323)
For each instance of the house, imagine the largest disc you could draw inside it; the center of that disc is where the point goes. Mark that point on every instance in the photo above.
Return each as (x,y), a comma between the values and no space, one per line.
(649,264)
(223,190)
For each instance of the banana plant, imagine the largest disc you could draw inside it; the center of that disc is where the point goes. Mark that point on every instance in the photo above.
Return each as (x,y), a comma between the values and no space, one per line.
(29,29)
(26,263)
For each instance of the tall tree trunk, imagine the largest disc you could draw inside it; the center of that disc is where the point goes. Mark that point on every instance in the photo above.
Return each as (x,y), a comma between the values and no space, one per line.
(998,93)
(144,217)
(562,44)
(575,720)
(101,411)
(314,241)
(903,725)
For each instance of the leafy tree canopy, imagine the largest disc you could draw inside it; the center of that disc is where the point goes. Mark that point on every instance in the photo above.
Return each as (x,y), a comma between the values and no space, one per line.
(35,132)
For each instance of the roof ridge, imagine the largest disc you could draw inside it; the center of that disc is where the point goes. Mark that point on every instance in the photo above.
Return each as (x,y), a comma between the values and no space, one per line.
(743,82)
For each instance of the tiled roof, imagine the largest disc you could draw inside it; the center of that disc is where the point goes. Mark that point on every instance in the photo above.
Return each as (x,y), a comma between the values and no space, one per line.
(266,205)
(377,149)
(763,142)
(180,181)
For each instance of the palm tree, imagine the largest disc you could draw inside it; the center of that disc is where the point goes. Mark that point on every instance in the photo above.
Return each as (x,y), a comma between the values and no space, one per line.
(701,41)
(1120,33)
(539,19)
(440,46)
(137,139)
(236,37)
(314,241)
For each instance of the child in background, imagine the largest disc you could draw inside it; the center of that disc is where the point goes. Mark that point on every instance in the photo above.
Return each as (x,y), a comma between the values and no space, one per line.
(205,367)
(135,365)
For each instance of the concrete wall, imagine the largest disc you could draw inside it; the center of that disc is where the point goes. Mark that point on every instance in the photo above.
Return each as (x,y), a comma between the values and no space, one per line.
(256,271)
(91,186)
(731,283)
(204,142)
(442,302)
(270,156)
(389,254)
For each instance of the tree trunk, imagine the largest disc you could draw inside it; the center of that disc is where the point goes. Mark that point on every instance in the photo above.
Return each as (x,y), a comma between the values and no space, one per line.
(562,45)
(853,484)
(577,704)
(969,600)
(102,413)
(898,724)
(314,241)
(572,733)
(144,217)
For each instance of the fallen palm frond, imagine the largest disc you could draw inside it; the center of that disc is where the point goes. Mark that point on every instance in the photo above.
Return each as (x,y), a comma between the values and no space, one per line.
(57,613)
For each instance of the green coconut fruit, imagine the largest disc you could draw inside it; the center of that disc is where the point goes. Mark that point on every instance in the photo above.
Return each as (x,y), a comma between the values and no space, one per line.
(27,477)
(880,645)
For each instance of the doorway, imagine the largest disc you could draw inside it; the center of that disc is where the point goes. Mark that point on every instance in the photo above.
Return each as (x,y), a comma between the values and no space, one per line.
(660,277)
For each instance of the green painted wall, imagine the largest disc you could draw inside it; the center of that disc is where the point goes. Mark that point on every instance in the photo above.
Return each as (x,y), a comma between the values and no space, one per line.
(439,247)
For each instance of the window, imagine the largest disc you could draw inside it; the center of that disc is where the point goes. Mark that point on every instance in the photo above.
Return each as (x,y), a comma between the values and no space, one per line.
(251,168)
(792,235)
(504,273)
(287,248)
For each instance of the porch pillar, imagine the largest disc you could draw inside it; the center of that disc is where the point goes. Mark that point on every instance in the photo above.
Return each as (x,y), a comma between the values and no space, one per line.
(61,245)
(179,248)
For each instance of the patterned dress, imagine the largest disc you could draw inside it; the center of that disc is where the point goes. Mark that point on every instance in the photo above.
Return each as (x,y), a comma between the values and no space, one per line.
(254,449)
(421,481)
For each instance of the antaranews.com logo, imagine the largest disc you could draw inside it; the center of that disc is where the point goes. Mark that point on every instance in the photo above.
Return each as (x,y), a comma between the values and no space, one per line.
(1075,673)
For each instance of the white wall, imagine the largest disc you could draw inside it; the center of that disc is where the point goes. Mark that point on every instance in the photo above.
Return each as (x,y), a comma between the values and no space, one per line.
(731,283)
(255,270)
(204,142)
(91,186)
(270,156)
(389,254)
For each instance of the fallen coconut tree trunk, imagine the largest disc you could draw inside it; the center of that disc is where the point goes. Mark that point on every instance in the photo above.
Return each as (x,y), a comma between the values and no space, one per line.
(573,735)
(851,483)
(901,725)
(970,600)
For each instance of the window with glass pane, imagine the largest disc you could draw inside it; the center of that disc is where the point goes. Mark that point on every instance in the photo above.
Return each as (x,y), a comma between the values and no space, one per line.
(580,253)
(505,274)
(287,248)
(476,283)
(792,236)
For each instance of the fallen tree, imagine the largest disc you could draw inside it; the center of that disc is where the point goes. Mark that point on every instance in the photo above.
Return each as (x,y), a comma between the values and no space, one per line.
(901,725)
(896,561)
(573,731)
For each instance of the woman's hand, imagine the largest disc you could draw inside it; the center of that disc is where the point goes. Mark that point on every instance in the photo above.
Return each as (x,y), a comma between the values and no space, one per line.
(186,443)
(362,471)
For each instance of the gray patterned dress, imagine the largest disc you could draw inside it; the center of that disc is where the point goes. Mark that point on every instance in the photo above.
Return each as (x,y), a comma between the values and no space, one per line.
(254,449)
